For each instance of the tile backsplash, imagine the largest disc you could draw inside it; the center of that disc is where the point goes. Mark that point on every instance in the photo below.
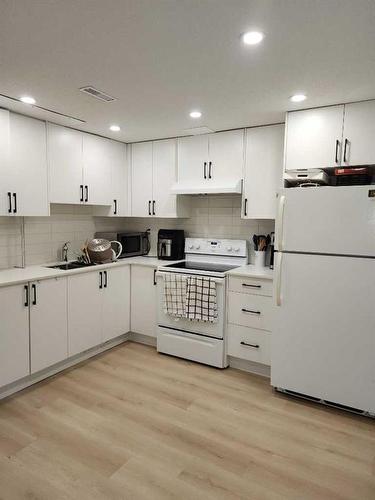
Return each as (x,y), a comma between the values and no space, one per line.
(213,216)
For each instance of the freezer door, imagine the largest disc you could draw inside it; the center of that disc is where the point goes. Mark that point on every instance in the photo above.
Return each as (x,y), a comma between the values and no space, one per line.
(334,220)
(323,337)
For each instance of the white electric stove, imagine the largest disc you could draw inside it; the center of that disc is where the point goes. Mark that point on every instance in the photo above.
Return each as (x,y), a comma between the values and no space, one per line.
(200,340)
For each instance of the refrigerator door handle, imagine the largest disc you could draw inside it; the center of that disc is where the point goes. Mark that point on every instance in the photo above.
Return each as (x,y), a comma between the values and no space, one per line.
(279,261)
(280,223)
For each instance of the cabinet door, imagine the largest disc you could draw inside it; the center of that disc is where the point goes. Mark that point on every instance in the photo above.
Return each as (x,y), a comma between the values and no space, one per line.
(65,164)
(226,156)
(164,176)
(14,334)
(311,138)
(4,162)
(142,179)
(28,165)
(97,170)
(116,302)
(263,172)
(119,167)
(359,133)
(84,312)
(48,323)
(143,300)
(193,160)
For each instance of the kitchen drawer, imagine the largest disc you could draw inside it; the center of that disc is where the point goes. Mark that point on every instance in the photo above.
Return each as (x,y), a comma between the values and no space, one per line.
(252,286)
(250,310)
(259,349)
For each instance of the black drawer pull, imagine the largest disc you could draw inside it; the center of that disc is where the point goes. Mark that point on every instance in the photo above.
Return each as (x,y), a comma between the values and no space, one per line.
(9,203)
(155,282)
(250,311)
(87,194)
(34,294)
(337,151)
(105,279)
(149,207)
(15,203)
(115,209)
(345,150)
(250,345)
(26,288)
(252,286)
(100,279)
(81,191)
(204,170)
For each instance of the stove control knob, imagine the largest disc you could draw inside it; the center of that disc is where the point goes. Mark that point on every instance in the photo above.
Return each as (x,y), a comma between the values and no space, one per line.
(191,247)
(198,247)
(237,249)
(229,249)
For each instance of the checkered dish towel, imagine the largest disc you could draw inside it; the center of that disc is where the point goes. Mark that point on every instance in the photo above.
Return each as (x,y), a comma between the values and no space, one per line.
(201,303)
(175,295)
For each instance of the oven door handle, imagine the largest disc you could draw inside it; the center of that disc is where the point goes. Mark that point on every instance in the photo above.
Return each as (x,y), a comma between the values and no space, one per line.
(219,281)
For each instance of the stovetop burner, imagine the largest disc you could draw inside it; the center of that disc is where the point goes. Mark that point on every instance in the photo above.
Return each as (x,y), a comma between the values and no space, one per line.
(202,266)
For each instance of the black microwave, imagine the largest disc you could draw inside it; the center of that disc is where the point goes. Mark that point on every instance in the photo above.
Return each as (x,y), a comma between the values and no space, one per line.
(133,243)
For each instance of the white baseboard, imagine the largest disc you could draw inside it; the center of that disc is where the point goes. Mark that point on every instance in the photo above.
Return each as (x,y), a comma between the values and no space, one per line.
(142,339)
(63,365)
(250,366)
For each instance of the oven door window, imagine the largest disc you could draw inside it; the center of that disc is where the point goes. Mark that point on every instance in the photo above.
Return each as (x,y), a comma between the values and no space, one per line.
(131,244)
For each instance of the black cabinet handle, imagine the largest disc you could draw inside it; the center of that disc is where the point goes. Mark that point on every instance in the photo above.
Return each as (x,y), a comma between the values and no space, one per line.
(34,294)
(115,209)
(26,288)
(204,170)
(15,203)
(345,149)
(245,207)
(250,345)
(155,277)
(149,207)
(100,279)
(337,151)
(251,286)
(209,169)
(87,194)
(9,203)
(105,279)
(81,189)
(153,207)
(250,311)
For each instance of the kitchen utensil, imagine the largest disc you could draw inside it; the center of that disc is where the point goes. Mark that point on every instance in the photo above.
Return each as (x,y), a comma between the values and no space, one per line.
(100,250)
(255,241)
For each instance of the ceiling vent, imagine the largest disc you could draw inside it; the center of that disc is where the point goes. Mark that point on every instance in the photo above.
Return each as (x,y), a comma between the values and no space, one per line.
(98,94)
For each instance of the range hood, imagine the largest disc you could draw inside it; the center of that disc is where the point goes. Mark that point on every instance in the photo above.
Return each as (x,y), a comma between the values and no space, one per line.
(228,187)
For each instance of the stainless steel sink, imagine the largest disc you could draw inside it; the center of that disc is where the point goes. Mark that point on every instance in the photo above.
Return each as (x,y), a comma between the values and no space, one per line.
(70,265)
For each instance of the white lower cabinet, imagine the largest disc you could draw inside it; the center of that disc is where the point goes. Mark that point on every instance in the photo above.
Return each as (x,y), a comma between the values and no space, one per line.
(143,300)
(116,303)
(98,307)
(84,312)
(250,311)
(14,334)
(48,323)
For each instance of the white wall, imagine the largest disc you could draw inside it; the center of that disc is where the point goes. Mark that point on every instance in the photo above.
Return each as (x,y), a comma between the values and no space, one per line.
(212,216)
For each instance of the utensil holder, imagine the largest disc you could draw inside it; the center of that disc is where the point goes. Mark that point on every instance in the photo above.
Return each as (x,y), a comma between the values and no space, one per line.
(260,259)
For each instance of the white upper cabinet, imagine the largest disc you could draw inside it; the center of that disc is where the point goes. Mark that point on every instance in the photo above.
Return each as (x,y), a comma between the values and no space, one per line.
(226,156)
(141,179)
(97,170)
(263,171)
(213,161)
(65,164)
(120,205)
(359,134)
(23,166)
(192,159)
(314,138)
(154,172)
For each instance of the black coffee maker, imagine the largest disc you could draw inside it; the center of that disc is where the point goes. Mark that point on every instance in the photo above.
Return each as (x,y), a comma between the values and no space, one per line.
(171,244)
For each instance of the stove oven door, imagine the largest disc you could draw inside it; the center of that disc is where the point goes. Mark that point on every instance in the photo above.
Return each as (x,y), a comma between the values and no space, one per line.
(206,328)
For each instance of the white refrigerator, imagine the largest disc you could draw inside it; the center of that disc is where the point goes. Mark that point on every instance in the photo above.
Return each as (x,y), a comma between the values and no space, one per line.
(323,338)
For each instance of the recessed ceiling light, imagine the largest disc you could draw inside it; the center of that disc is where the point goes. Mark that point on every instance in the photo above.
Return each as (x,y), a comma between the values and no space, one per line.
(27,99)
(252,37)
(298,97)
(115,128)
(195,114)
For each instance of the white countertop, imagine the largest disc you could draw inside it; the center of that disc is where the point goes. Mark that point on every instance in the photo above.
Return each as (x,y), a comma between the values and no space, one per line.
(15,276)
(250,271)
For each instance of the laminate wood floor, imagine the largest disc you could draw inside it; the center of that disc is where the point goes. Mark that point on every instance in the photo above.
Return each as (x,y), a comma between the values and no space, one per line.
(133,424)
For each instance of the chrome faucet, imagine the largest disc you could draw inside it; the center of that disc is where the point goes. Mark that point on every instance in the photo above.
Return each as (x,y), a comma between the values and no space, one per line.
(65,249)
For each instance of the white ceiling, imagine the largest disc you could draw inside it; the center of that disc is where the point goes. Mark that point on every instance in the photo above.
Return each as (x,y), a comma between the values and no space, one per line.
(163,58)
